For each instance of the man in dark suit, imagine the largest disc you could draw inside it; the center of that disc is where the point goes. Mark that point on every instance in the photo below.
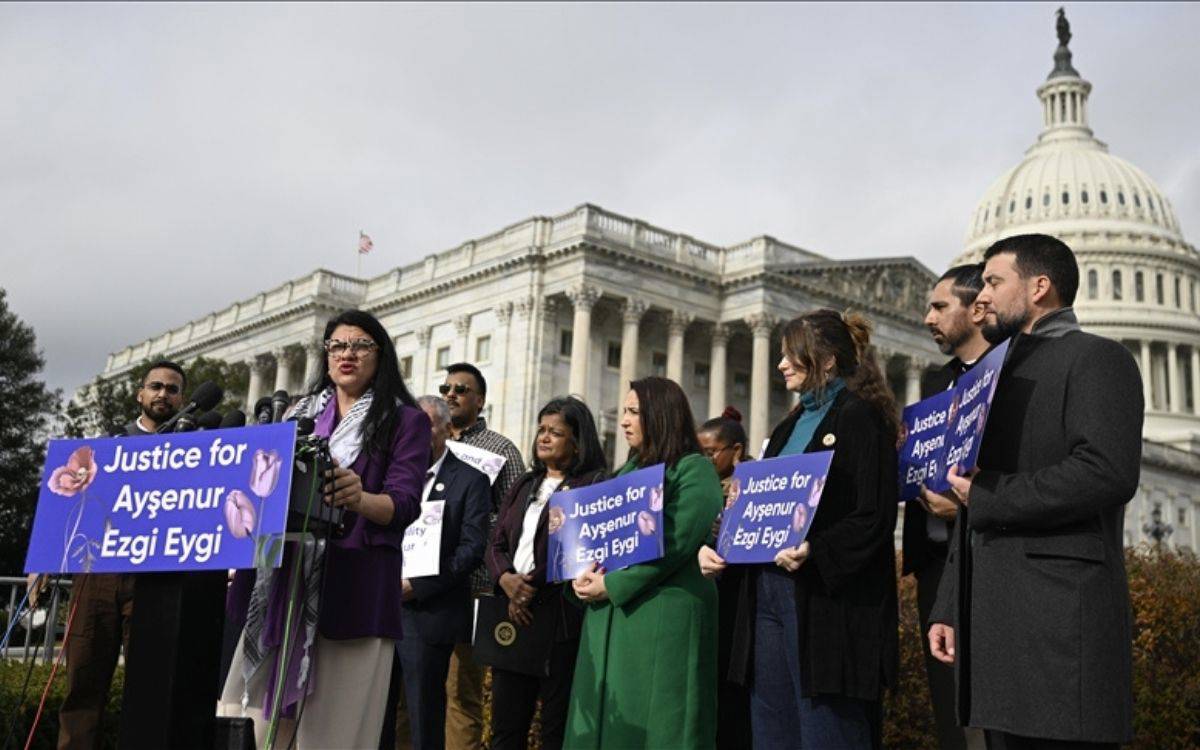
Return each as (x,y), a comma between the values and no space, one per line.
(438,609)
(1034,605)
(954,319)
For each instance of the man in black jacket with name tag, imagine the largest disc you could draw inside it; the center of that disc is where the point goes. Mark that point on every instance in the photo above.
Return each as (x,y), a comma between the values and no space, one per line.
(438,609)
(1034,606)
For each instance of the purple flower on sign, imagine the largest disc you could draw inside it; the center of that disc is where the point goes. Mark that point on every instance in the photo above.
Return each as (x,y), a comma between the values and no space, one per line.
(656,498)
(264,472)
(239,514)
(557,519)
(814,497)
(77,475)
(799,517)
(646,523)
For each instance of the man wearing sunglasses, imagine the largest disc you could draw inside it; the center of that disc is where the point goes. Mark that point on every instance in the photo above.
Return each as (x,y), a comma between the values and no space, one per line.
(105,601)
(465,392)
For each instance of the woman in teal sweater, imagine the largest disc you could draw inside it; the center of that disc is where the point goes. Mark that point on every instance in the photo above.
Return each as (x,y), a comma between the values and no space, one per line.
(646,673)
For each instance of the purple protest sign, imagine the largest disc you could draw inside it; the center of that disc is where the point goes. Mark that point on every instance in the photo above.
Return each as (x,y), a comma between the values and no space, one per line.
(946,429)
(616,524)
(968,415)
(209,500)
(921,456)
(771,506)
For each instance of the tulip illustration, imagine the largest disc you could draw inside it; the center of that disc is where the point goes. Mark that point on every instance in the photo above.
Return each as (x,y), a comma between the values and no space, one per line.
(239,514)
(656,498)
(77,475)
(646,523)
(264,472)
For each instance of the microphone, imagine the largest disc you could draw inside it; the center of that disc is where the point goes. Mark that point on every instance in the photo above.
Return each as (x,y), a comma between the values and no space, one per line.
(262,410)
(235,418)
(207,395)
(305,426)
(209,420)
(279,404)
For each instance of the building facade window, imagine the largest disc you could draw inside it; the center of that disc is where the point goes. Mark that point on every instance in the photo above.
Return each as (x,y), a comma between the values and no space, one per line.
(1178,293)
(741,384)
(565,340)
(659,364)
(483,349)
(1159,295)
(1139,286)
(614,355)
(406,368)
(700,375)
(1093,284)
(442,360)
(1116,284)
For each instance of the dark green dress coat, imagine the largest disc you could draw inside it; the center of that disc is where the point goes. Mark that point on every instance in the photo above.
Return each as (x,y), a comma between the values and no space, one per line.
(646,674)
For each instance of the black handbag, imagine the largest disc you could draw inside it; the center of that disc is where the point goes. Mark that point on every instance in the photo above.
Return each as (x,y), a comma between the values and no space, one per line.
(501,643)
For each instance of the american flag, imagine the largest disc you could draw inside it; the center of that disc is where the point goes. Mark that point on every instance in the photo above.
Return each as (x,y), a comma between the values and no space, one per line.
(364,243)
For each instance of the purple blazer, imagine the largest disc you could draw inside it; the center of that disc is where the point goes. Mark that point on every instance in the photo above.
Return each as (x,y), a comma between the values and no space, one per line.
(361,596)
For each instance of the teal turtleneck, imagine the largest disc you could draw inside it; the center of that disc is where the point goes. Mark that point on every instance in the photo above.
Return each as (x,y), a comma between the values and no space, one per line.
(816,406)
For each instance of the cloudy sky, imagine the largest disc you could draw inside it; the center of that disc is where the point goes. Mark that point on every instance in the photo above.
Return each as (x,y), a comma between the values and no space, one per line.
(158,162)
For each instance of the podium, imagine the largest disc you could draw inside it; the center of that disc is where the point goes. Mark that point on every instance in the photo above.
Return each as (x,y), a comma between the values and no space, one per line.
(173,664)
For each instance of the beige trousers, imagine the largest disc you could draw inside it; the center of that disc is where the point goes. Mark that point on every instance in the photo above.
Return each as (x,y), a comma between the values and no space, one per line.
(464,701)
(344,710)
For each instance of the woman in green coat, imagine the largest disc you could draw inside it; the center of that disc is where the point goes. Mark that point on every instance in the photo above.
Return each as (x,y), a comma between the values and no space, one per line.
(646,674)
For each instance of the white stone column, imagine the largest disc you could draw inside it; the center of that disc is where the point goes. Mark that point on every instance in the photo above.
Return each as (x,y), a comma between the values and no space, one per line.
(258,370)
(584,298)
(631,320)
(422,361)
(503,312)
(314,361)
(716,371)
(912,382)
(761,325)
(1196,379)
(677,325)
(462,327)
(1174,381)
(1147,374)
(283,369)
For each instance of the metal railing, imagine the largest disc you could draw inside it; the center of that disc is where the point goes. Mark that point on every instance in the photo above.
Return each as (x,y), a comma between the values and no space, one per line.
(24,640)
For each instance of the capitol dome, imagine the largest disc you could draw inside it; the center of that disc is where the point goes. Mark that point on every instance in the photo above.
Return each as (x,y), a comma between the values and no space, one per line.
(1139,278)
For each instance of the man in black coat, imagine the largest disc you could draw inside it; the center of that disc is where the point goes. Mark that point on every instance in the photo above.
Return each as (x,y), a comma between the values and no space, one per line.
(954,319)
(1034,605)
(438,610)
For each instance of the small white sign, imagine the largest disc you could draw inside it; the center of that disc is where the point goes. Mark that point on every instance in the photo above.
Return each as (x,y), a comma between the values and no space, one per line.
(478,458)
(421,550)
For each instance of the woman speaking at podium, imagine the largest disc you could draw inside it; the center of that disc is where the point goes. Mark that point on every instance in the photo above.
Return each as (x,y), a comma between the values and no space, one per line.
(341,638)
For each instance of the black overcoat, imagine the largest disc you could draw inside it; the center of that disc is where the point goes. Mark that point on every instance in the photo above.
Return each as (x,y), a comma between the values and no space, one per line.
(1035,583)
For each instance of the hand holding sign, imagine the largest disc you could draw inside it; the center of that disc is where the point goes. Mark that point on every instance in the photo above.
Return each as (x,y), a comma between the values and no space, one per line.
(773,505)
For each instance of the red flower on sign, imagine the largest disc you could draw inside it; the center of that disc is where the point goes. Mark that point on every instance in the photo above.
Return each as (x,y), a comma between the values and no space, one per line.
(77,475)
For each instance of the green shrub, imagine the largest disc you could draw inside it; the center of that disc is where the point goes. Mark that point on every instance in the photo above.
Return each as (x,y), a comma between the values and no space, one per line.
(1165,590)
(12,677)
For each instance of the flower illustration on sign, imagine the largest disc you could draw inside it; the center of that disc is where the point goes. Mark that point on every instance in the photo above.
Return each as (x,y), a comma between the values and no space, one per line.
(69,480)
(239,514)
(77,475)
(244,520)
(264,472)
(646,523)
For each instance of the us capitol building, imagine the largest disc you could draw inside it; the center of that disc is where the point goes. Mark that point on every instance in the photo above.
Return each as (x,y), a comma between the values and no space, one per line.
(585,301)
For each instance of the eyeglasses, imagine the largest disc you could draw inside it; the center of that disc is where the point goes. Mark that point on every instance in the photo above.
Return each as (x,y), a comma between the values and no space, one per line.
(155,386)
(711,454)
(358,347)
(458,388)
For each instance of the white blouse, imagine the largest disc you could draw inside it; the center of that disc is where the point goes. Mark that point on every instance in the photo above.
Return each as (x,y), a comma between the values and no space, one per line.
(523,559)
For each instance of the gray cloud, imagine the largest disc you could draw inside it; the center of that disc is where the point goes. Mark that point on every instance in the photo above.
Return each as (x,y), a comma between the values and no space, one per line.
(161,161)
